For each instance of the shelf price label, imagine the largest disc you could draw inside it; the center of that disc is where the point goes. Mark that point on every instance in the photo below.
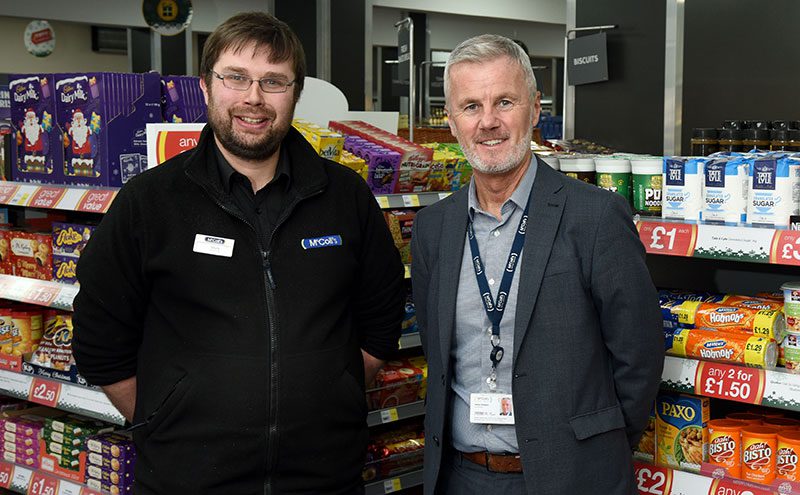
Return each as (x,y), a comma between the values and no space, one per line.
(6,471)
(96,201)
(383,201)
(652,480)
(729,382)
(42,295)
(7,191)
(44,392)
(410,200)
(42,485)
(674,239)
(392,485)
(785,248)
(389,415)
(725,486)
(46,197)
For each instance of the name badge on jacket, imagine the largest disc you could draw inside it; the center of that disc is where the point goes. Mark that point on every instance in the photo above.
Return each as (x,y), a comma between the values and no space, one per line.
(213,245)
(491,409)
(321,242)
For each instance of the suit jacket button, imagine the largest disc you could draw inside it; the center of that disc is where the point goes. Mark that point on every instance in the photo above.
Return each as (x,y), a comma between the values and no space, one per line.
(436,440)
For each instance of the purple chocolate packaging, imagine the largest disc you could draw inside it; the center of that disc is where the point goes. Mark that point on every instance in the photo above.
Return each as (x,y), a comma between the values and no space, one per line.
(116,478)
(383,170)
(22,459)
(69,239)
(36,143)
(21,449)
(182,100)
(23,440)
(104,142)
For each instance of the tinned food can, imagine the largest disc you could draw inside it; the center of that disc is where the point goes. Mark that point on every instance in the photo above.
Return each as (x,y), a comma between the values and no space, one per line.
(788,452)
(759,449)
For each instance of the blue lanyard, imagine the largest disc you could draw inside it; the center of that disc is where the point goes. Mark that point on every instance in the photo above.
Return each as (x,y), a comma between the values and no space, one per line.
(496,307)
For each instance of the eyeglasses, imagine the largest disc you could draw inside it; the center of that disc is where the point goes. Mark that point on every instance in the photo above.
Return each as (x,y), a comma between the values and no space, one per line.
(238,82)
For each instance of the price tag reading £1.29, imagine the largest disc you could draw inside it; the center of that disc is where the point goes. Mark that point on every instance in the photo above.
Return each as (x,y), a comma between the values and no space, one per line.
(729,382)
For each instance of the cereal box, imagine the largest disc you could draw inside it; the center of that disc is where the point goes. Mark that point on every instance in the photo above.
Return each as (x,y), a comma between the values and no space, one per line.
(681,431)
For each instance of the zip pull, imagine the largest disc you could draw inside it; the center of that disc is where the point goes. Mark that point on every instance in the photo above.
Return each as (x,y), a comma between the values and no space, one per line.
(268,269)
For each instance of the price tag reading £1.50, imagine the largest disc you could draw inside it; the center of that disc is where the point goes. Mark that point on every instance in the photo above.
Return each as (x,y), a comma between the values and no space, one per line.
(652,480)
(42,485)
(729,382)
(6,470)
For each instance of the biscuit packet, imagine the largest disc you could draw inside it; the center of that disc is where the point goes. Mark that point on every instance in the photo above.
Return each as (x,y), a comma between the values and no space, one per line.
(55,347)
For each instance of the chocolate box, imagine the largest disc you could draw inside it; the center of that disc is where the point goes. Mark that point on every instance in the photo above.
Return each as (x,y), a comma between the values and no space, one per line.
(65,269)
(182,100)
(113,445)
(101,119)
(70,239)
(36,150)
(32,254)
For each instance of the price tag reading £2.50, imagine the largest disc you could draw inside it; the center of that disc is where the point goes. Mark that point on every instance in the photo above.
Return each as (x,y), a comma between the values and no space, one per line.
(729,382)
(44,392)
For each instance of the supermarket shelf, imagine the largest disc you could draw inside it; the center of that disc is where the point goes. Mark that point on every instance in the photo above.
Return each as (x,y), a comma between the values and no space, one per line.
(720,242)
(60,394)
(410,341)
(395,484)
(398,413)
(21,479)
(410,200)
(770,388)
(57,197)
(660,480)
(39,292)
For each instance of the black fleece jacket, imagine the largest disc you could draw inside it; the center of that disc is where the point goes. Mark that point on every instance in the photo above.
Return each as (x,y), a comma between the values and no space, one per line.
(249,372)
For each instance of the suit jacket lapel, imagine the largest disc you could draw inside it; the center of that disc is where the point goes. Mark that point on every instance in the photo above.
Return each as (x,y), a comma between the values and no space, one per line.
(451,251)
(544,216)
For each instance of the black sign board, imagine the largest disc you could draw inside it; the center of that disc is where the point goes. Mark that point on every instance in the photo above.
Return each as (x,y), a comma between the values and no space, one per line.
(587,61)
(436,81)
(403,52)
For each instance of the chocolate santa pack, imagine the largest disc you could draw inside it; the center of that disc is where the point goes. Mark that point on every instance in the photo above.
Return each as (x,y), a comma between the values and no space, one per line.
(35,152)
(101,119)
(182,100)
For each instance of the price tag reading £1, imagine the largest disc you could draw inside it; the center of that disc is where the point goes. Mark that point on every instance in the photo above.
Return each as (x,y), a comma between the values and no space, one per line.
(734,383)
(652,480)
(674,239)
(42,485)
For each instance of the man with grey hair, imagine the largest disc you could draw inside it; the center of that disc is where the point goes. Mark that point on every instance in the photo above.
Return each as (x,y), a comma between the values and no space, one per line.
(531,289)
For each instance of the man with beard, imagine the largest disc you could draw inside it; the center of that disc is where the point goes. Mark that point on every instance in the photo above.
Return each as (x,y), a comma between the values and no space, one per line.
(235,299)
(530,288)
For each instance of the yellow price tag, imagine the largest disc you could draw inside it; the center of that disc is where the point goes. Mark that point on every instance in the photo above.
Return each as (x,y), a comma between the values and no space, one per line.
(392,485)
(389,415)
(411,200)
(383,201)
(407,271)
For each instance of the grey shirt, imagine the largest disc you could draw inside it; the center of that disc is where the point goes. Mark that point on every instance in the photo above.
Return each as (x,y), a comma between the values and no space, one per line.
(471,346)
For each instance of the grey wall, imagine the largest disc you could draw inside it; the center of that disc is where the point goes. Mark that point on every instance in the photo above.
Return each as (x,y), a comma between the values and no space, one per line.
(740,62)
(627,111)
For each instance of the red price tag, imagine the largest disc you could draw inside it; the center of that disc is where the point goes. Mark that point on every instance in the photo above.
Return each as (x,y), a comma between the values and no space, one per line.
(674,239)
(785,248)
(171,143)
(42,485)
(726,486)
(729,382)
(44,392)
(7,191)
(43,295)
(96,201)
(652,480)
(6,470)
(46,197)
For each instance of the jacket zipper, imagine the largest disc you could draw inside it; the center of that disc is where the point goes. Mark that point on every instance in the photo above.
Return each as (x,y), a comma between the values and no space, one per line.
(269,296)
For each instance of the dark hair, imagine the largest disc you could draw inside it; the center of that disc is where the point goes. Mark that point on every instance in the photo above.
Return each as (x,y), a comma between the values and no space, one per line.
(263,29)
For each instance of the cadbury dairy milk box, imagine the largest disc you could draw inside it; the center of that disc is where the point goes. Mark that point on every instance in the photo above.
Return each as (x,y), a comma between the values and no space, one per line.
(182,100)
(36,150)
(101,118)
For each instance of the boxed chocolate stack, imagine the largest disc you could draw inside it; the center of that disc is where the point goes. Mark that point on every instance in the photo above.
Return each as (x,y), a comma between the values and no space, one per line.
(22,430)
(65,438)
(111,460)
(36,152)
(182,100)
(101,120)
(69,241)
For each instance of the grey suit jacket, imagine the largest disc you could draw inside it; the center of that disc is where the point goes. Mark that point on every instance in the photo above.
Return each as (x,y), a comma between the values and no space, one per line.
(588,342)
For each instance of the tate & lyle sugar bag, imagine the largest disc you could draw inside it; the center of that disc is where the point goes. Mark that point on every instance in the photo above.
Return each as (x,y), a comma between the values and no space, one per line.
(682,188)
(770,190)
(725,182)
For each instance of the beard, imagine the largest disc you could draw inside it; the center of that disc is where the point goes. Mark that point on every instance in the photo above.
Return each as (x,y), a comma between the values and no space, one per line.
(244,146)
(32,132)
(80,133)
(501,164)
